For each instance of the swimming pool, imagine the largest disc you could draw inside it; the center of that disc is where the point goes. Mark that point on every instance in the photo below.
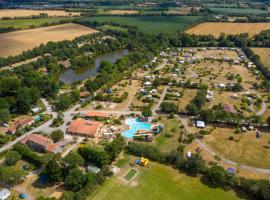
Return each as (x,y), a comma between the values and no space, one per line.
(134,126)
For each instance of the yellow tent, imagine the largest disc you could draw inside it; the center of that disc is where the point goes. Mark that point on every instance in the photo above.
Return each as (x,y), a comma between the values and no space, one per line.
(144,161)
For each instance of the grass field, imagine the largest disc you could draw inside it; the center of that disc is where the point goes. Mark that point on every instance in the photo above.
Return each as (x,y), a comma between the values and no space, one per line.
(264,54)
(27,23)
(153,25)
(237,10)
(159,182)
(26,13)
(16,42)
(256,154)
(215,28)
(167,140)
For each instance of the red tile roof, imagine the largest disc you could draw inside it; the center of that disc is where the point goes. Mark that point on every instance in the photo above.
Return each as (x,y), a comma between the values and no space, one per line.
(97,114)
(22,123)
(84,94)
(84,127)
(45,142)
(229,108)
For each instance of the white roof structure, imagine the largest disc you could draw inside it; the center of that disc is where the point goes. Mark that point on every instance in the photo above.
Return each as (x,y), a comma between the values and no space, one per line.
(200,124)
(147,83)
(188,154)
(4,194)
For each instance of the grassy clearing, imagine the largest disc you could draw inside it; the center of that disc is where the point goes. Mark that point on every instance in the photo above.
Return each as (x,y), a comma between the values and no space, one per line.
(216,28)
(264,54)
(168,138)
(256,154)
(152,24)
(28,23)
(159,182)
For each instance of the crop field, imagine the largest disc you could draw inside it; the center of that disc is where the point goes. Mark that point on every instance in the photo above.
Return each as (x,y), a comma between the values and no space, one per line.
(216,28)
(238,10)
(122,12)
(153,25)
(28,23)
(159,182)
(26,13)
(264,54)
(16,42)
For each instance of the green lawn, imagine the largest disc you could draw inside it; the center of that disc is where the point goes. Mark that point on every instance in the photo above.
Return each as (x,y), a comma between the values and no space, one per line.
(152,24)
(168,138)
(130,174)
(115,28)
(159,182)
(26,23)
(238,10)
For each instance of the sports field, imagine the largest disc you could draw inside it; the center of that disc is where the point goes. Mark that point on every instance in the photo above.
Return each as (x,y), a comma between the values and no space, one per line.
(264,54)
(153,24)
(159,182)
(215,28)
(26,13)
(16,42)
(28,23)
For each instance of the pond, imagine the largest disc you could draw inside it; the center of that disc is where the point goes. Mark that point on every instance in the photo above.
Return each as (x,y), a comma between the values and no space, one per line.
(73,75)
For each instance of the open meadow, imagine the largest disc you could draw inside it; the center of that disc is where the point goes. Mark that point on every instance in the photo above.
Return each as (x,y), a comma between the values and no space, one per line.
(253,11)
(264,54)
(216,28)
(16,42)
(12,13)
(159,182)
(152,25)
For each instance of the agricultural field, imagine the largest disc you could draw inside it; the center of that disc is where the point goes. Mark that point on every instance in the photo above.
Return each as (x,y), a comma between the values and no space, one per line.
(16,42)
(216,28)
(153,25)
(253,11)
(264,54)
(122,12)
(12,13)
(158,182)
(29,23)
(115,28)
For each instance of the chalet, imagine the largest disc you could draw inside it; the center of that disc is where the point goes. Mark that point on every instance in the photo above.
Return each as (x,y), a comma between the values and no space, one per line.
(85,128)
(41,143)
(21,123)
(228,108)
(65,63)
(200,124)
(4,194)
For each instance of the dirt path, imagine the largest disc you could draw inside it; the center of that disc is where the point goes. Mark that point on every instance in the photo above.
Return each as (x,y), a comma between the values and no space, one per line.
(156,107)
(262,110)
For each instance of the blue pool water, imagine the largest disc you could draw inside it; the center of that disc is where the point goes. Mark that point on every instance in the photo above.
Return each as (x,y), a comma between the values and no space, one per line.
(134,126)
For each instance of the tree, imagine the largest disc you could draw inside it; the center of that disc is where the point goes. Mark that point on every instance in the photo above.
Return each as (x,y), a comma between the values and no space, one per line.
(169,107)
(146,111)
(12,157)
(4,115)
(11,175)
(53,170)
(193,165)
(75,179)
(73,160)
(57,135)
(216,176)
(67,195)
(115,147)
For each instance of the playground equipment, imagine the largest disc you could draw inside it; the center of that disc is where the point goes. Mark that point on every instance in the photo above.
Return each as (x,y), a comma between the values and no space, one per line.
(142,161)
